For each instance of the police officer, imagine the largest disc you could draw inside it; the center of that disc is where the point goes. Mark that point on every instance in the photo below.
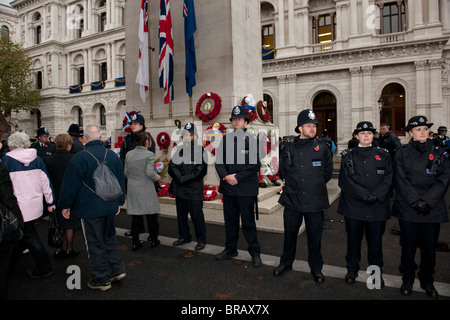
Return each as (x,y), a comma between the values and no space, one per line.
(305,166)
(77,136)
(388,140)
(238,164)
(365,179)
(422,175)
(187,168)
(441,137)
(137,125)
(43,146)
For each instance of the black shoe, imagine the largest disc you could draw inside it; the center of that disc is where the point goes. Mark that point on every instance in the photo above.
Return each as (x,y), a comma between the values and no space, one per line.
(318,276)
(200,246)
(350,277)
(430,290)
(406,288)
(137,246)
(72,253)
(256,261)
(127,234)
(181,241)
(155,243)
(280,270)
(225,255)
(60,254)
(36,275)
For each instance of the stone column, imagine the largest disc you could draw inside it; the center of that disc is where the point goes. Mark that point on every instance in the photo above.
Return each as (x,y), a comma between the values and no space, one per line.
(368,99)
(355,95)
(292,107)
(281,33)
(353,17)
(291,22)
(435,82)
(282,105)
(433,12)
(421,88)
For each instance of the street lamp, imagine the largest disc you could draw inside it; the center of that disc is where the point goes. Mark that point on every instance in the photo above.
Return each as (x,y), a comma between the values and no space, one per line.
(380,103)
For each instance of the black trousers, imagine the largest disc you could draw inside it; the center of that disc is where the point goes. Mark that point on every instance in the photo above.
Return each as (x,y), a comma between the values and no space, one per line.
(137,225)
(314,227)
(195,209)
(425,236)
(245,207)
(355,232)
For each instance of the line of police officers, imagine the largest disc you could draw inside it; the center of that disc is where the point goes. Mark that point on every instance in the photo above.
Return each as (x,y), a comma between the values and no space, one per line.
(420,176)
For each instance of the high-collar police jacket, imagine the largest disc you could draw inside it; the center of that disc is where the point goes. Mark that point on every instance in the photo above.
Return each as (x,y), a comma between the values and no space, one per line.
(238,153)
(306,165)
(421,173)
(187,168)
(365,179)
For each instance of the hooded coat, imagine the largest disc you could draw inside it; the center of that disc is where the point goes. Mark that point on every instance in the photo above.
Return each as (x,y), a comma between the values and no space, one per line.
(30,181)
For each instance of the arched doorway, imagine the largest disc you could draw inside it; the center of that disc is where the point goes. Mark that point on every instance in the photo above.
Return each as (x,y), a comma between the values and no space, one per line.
(324,106)
(393,108)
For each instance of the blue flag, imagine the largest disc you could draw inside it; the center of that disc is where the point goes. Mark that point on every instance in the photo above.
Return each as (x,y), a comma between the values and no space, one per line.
(189,28)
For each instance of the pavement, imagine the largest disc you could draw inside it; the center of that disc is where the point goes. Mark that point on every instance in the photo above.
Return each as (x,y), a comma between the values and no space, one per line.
(188,278)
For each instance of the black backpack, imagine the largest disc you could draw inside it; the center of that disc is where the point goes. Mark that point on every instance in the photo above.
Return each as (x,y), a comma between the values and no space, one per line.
(106,185)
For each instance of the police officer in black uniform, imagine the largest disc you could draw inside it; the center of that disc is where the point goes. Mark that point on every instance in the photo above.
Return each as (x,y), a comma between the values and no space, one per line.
(441,137)
(187,168)
(238,164)
(388,140)
(422,176)
(42,145)
(365,179)
(76,133)
(306,166)
(137,125)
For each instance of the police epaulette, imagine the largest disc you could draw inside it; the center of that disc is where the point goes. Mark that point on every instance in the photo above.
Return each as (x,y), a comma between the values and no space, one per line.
(383,149)
(347,151)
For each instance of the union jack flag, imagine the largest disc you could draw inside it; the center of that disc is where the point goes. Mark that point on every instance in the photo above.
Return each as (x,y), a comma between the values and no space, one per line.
(166,51)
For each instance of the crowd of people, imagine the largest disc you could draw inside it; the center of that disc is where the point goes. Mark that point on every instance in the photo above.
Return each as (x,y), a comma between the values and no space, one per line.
(39,178)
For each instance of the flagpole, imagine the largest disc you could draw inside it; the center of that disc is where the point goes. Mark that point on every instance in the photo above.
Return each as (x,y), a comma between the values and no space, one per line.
(170,110)
(191,111)
(150,89)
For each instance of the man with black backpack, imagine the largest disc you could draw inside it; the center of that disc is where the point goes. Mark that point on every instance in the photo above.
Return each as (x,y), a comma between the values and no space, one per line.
(97,215)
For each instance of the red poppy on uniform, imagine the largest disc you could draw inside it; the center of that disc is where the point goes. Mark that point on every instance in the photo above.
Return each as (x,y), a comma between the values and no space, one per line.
(377,157)
(431,157)
(317,148)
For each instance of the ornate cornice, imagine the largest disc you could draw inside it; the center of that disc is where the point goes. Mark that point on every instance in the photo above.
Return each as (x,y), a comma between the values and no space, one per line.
(404,52)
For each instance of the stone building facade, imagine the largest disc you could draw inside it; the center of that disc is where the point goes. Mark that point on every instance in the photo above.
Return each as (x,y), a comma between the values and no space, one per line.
(355,60)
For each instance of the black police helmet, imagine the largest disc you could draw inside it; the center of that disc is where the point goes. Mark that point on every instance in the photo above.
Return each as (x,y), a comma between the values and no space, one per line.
(364,126)
(41,131)
(418,121)
(137,118)
(74,130)
(189,127)
(306,116)
(239,112)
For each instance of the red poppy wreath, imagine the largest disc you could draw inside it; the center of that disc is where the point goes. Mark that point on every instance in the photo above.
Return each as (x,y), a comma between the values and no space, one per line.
(263,111)
(163,140)
(214,110)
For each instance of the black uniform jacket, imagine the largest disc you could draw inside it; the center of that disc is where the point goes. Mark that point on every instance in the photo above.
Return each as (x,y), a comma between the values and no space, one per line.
(47,150)
(128,145)
(422,172)
(364,172)
(238,153)
(306,165)
(187,169)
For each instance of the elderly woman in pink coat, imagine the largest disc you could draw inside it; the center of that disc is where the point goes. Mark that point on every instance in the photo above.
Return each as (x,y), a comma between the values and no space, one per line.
(30,183)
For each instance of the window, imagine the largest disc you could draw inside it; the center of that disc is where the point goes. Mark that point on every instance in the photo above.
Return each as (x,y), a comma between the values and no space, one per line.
(103,71)
(392,17)
(39,80)
(267,98)
(393,110)
(5,31)
(102,21)
(102,116)
(268,40)
(81,75)
(324,27)
(81,28)
(80,117)
(37,39)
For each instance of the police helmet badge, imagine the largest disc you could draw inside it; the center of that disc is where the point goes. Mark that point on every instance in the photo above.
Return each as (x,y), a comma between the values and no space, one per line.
(134,117)
(311,115)
(188,126)
(236,111)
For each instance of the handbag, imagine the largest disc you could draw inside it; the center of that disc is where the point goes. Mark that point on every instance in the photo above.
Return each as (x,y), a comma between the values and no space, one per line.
(10,231)
(54,236)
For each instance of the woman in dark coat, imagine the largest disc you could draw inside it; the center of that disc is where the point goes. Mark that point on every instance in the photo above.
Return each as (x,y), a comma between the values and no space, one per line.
(422,175)
(8,198)
(365,179)
(56,167)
